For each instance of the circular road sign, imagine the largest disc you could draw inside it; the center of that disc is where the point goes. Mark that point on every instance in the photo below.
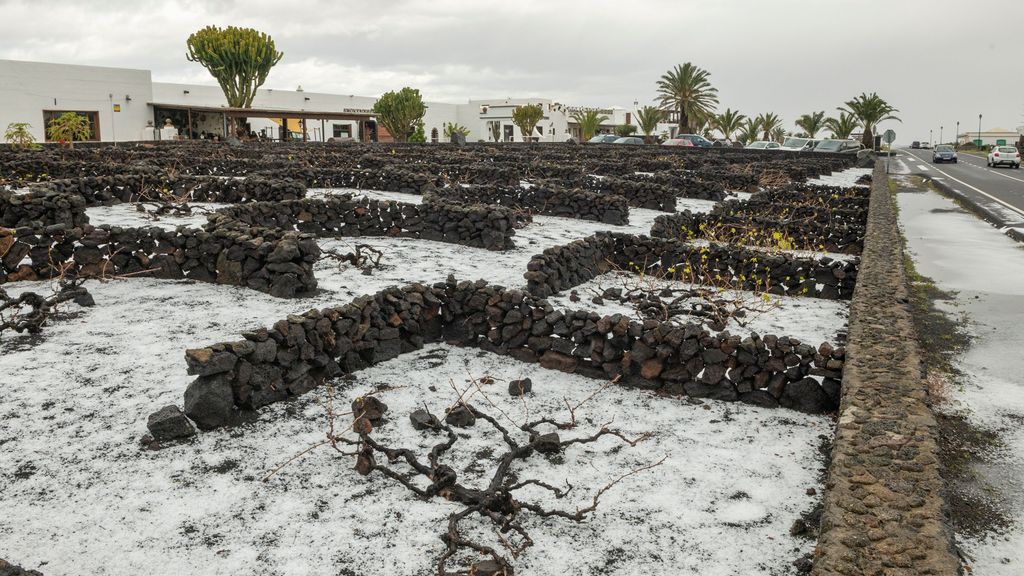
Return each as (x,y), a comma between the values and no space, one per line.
(889,137)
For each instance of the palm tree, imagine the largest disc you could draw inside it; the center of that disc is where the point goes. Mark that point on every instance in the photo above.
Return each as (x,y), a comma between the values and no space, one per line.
(729,122)
(768,123)
(749,130)
(811,123)
(588,121)
(869,109)
(843,126)
(648,118)
(687,90)
(779,134)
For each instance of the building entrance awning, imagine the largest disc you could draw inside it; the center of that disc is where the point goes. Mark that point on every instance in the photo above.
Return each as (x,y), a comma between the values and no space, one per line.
(345,114)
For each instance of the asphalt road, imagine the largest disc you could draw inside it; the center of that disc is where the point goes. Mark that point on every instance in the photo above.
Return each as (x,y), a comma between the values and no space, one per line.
(999,191)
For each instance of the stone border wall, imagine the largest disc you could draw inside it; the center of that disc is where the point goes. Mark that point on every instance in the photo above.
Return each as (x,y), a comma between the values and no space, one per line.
(684,185)
(884,509)
(562,267)
(478,226)
(296,354)
(639,194)
(387,178)
(803,227)
(271,261)
(101,190)
(545,200)
(41,208)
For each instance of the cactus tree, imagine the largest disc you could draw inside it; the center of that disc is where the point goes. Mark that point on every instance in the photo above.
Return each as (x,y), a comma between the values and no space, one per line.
(239,58)
(526,118)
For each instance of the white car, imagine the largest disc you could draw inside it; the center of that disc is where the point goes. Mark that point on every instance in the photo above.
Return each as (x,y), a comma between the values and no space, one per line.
(763,145)
(794,144)
(1008,155)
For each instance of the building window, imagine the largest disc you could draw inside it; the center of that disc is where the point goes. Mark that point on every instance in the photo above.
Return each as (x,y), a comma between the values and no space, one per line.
(93,117)
(342,130)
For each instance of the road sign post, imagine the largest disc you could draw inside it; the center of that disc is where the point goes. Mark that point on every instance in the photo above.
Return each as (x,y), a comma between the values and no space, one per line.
(889,137)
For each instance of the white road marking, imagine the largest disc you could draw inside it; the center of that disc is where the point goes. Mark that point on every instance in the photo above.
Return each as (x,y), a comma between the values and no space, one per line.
(982,192)
(922,167)
(992,170)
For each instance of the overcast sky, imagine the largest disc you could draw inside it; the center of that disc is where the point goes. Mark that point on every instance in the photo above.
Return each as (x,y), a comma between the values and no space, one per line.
(938,61)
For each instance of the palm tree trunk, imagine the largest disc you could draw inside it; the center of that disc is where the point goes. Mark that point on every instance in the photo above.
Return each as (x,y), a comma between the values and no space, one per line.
(868,139)
(684,122)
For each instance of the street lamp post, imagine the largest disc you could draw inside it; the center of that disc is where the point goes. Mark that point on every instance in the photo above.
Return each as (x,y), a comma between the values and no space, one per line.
(930,139)
(957,134)
(940,134)
(979,131)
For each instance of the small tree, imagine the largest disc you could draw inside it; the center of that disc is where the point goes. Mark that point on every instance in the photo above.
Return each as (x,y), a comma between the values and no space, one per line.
(728,122)
(625,130)
(589,121)
(239,58)
(687,90)
(526,118)
(453,128)
(769,123)
(842,126)
(400,112)
(811,123)
(749,131)
(69,127)
(18,136)
(869,110)
(648,118)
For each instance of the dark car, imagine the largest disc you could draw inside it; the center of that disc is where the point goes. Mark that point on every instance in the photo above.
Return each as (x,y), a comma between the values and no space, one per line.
(915,145)
(698,141)
(943,153)
(838,146)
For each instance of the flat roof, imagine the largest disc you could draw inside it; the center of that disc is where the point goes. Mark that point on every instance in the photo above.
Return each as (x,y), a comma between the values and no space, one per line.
(345,114)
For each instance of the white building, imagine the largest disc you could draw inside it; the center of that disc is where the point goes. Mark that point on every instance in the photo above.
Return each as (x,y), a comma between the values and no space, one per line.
(126,105)
(990,137)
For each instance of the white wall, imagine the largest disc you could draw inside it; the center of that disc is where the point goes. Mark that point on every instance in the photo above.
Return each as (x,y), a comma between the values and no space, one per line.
(29,88)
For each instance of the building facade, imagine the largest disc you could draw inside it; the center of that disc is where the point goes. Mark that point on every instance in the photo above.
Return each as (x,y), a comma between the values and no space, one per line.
(126,105)
(990,137)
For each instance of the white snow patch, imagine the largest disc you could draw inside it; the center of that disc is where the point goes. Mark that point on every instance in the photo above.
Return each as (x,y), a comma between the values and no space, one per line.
(846,178)
(811,320)
(80,496)
(126,215)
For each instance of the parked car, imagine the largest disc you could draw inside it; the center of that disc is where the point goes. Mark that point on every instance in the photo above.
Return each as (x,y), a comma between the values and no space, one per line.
(628,140)
(763,145)
(677,142)
(926,145)
(1008,155)
(794,144)
(722,143)
(915,145)
(698,141)
(944,153)
(603,139)
(838,146)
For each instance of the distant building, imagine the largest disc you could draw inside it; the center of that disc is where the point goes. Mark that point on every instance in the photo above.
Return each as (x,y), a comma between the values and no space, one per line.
(126,105)
(990,137)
